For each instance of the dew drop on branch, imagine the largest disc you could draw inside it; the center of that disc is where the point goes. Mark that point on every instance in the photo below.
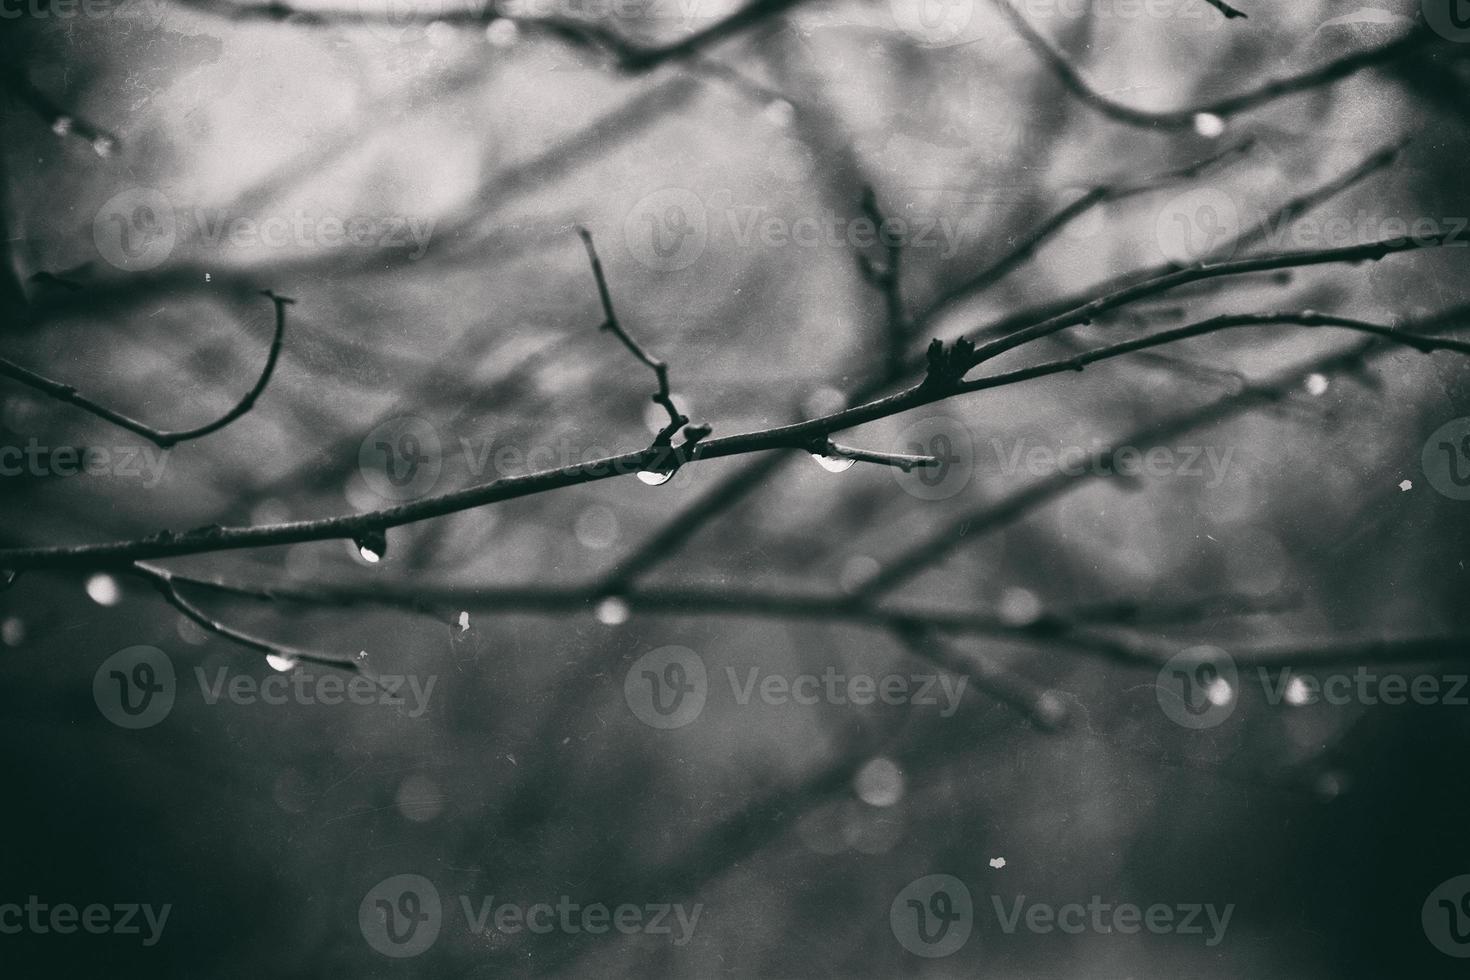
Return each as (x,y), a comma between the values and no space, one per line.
(654,478)
(281,662)
(833,464)
(372,545)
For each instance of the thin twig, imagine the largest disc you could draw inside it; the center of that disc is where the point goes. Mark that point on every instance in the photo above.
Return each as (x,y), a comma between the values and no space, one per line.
(902,461)
(1263,94)
(160,437)
(165,582)
(795,436)
(663,397)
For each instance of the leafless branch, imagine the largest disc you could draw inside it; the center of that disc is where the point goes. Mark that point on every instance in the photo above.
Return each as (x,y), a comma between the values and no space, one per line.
(663,397)
(161,437)
(938,385)
(1403,47)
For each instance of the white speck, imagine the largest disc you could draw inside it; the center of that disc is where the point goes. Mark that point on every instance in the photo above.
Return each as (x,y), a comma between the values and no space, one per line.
(104,590)
(1297,692)
(512,759)
(997,863)
(464,621)
(1316,384)
(1220,693)
(1208,125)
(13,631)
(61,125)
(206,277)
(612,611)
(1406,485)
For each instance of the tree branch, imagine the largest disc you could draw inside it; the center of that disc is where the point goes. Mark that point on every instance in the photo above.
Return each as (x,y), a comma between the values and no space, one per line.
(794,436)
(160,437)
(1263,94)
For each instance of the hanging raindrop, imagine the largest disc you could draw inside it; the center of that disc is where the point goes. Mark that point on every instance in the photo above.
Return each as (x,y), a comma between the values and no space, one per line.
(654,478)
(281,661)
(372,545)
(833,464)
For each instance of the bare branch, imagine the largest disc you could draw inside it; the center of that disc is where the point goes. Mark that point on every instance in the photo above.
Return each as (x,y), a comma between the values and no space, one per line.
(1042,708)
(1263,94)
(1004,512)
(161,437)
(1108,193)
(1225,8)
(794,436)
(61,122)
(662,397)
(165,582)
(902,461)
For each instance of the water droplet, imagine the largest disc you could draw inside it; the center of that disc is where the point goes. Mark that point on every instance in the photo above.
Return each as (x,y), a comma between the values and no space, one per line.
(1019,607)
(1406,485)
(104,146)
(419,799)
(104,590)
(464,622)
(281,661)
(879,783)
(13,631)
(612,611)
(1297,692)
(596,528)
(997,863)
(833,464)
(501,33)
(1317,384)
(779,112)
(1208,125)
(61,125)
(372,545)
(1220,693)
(655,479)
